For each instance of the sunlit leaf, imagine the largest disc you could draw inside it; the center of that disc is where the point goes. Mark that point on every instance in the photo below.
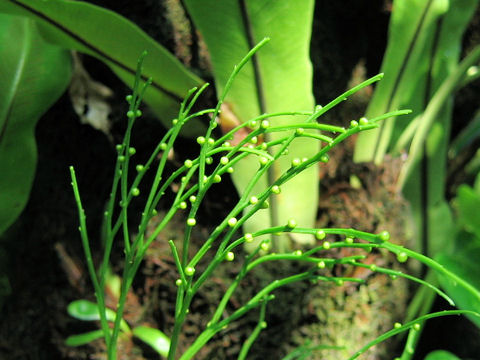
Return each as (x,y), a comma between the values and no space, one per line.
(88,311)
(278,78)
(85,338)
(153,337)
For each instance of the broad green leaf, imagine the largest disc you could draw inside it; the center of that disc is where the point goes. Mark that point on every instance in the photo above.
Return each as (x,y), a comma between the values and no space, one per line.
(153,337)
(117,42)
(33,75)
(85,338)
(278,78)
(88,311)
(462,259)
(441,355)
(468,204)
(463,263)
(441,227)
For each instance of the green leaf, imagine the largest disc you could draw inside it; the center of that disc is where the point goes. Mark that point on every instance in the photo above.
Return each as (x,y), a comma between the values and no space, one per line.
(462,260)
(424,45)
(441,355)
(85,338)
(421,59)
(441,226)
(33,75)
(113,283)
(463,263)
(468,204)
(88,311)
(117,42)
(83,310)
(153,337)
(405,64)
(278,78)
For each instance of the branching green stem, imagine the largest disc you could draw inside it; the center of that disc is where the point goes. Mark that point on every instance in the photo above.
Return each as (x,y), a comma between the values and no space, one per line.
(223,239)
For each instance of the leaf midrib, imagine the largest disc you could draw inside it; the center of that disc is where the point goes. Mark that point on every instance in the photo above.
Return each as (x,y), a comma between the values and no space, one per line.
(93,48)
(260,96)
(400,74)
(20,70)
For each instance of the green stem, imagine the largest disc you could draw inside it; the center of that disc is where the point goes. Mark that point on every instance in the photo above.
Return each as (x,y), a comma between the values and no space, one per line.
(179,320)
(408,326)
(253,336)
(208,333)
(88,256)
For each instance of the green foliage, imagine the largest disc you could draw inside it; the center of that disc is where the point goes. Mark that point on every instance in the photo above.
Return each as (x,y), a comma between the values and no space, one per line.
(423,74)
(272,151)
(33,75)
(462,257)
(85,338)
(153,337)
(441,355)
(36,73)
(468,203)
(77,25)
(421,62)
(279,78)
(88,311)
(423,49)
(199,175)
(413,326)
